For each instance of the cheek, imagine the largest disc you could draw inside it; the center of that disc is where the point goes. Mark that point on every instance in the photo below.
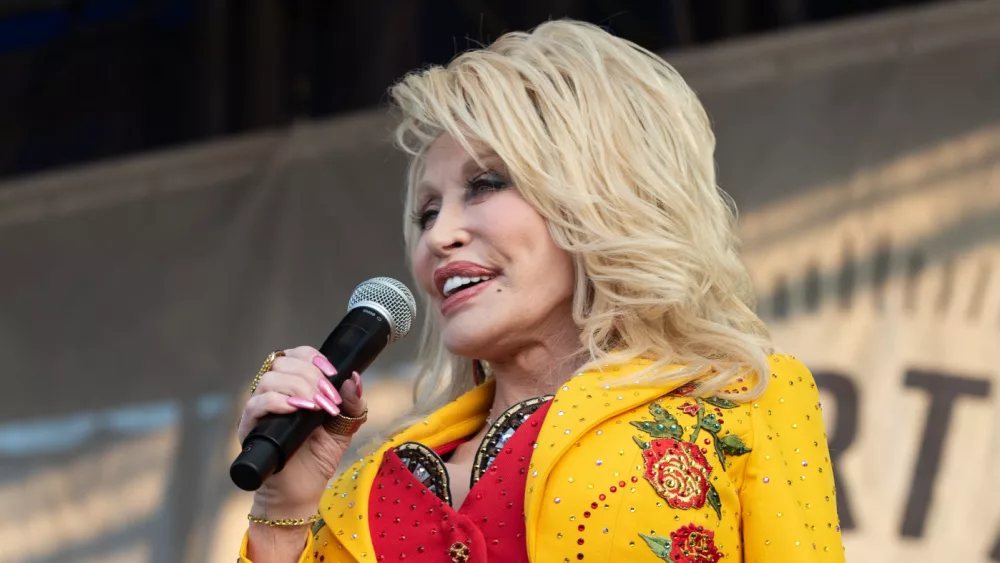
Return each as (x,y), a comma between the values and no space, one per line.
(548,268)
(539,269)
(422,266)
(558,271)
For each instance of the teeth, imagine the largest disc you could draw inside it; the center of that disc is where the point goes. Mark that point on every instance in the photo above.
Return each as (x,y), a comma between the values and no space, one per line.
(456,282)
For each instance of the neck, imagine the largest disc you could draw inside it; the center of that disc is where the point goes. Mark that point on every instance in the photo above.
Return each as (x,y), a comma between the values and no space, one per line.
(538,370)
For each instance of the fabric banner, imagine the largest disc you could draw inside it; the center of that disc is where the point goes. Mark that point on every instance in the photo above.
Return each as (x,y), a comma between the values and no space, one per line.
(895,306)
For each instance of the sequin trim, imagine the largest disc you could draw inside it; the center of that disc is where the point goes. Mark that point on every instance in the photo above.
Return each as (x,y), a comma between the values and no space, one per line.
(500,432)
(428,467)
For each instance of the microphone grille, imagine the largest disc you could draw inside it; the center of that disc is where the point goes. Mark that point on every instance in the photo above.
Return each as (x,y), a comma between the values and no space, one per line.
(393,298)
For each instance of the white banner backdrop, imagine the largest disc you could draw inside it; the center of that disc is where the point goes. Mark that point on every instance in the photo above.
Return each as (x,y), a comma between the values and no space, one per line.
(888,287)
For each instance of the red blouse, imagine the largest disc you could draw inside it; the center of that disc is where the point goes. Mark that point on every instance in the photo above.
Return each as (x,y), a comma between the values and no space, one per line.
(412,517)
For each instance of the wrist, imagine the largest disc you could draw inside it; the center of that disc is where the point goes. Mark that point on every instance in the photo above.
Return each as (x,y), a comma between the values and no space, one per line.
(276,543)
(284,522)
(268,509)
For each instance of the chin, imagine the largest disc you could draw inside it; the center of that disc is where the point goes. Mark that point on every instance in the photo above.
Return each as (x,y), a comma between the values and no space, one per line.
(473,343)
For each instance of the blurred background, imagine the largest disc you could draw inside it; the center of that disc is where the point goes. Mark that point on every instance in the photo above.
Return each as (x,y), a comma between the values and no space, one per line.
(186,185)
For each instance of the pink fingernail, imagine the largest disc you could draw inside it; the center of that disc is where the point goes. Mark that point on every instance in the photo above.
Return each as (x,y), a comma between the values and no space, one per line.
(357,382)
(331,393)
(301,403)
(324,365)
(327,405)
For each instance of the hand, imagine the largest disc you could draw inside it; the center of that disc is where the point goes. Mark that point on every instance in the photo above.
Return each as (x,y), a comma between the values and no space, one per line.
(297,380)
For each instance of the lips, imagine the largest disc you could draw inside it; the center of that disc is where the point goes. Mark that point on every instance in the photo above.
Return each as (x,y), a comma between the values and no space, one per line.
(458,283)
(457,276)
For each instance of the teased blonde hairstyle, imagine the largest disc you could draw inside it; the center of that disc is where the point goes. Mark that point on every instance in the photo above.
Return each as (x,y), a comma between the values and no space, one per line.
(610,145)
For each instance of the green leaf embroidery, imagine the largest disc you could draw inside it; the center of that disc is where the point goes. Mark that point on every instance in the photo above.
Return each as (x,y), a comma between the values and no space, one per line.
(659,544)
(317,525)
(661,414)
(717,443)
(658,411)
(663,426)
(711,424)
(715,501)
(640,443)
(721,403)
(698,426)
(657,429)
(732,445)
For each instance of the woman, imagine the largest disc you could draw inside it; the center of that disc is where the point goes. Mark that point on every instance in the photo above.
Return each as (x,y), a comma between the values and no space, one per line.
(568,236)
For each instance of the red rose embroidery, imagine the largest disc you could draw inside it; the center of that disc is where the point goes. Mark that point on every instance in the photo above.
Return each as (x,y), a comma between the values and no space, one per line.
(693,544)
(678,471)
(683,390)
(689,408)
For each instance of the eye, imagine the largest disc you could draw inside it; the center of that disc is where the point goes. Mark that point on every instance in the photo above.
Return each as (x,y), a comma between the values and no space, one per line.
(424,218)
(488,181)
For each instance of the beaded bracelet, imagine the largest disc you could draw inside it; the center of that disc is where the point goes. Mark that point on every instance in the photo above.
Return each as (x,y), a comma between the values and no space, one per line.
(284,521)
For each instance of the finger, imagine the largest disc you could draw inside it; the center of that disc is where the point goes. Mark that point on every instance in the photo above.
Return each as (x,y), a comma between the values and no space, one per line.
(302,352)
(292,385)
(322,400)
(331,393)
(314,357)
(354,404)
(298,366)
(300,403)
(260,405)
(303,355)
(321,393)
(324,365)
(313,375)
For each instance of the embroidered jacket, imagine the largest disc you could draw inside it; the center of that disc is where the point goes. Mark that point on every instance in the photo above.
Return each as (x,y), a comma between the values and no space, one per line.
(638,473)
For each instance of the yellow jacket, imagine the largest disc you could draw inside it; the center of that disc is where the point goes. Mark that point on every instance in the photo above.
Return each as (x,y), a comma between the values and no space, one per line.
(646,477)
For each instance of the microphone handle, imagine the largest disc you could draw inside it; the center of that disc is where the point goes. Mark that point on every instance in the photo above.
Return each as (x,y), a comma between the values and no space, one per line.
(352,346)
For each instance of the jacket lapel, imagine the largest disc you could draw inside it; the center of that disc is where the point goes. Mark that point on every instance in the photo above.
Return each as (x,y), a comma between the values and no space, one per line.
(344,506)
(584,402)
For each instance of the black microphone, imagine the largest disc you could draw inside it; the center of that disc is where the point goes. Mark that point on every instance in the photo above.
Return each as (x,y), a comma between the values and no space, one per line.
(380,311)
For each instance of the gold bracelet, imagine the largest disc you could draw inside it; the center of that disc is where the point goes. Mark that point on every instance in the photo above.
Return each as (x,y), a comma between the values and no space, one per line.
(284,521)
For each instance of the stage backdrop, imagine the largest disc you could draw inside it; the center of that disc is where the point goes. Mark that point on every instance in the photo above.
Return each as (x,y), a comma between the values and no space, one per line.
(138,297)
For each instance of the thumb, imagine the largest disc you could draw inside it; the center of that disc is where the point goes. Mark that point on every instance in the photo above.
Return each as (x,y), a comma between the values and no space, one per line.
(354,404)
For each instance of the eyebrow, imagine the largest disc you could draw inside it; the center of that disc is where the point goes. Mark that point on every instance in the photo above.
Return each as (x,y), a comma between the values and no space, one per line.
(469,167)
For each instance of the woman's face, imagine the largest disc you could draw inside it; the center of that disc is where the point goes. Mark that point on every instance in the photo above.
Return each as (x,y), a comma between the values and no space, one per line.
(498,281)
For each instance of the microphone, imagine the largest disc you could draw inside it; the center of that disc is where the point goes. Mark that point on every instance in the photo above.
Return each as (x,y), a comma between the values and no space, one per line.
(380,311)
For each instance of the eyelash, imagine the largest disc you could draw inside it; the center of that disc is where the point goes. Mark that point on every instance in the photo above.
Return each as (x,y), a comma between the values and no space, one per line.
(485,182)
(490,178)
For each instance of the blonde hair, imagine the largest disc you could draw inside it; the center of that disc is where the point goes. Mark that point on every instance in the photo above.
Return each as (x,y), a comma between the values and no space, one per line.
(610,145)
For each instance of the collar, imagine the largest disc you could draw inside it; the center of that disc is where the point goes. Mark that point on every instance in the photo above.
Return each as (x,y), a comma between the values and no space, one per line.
(344,506)
(582,403)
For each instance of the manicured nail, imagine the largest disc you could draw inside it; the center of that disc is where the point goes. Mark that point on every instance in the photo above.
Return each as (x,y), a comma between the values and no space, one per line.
(324,365)
(301,403)
(328,406)
(357,383)
(331,393)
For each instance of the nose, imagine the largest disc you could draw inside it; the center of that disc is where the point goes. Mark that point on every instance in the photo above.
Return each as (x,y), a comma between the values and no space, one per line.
(449,231)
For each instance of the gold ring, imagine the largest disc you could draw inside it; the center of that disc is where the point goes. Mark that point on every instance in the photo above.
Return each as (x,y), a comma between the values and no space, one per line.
(268,362)
(345,425)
